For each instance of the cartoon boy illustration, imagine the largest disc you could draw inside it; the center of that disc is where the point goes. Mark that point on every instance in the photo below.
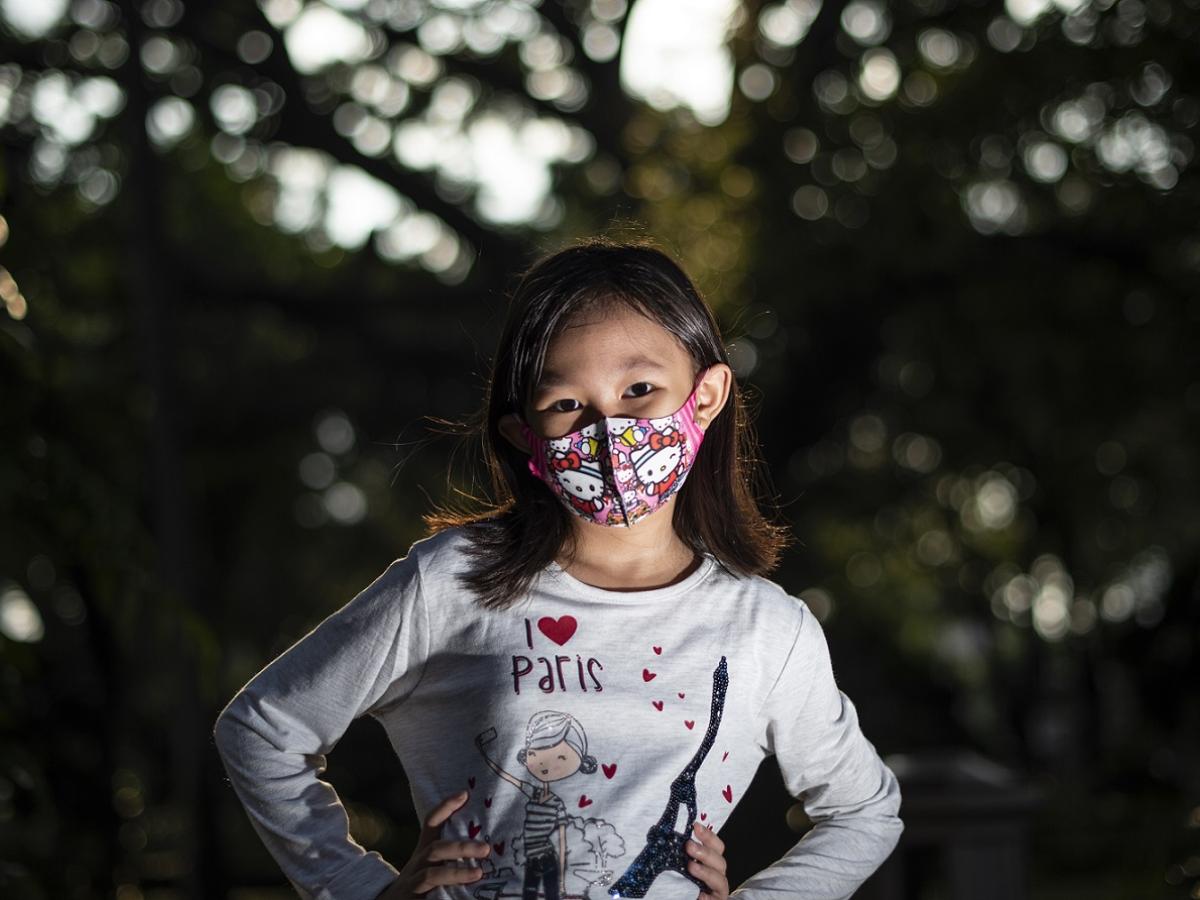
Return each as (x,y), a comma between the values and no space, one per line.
(626,431)
(555,748)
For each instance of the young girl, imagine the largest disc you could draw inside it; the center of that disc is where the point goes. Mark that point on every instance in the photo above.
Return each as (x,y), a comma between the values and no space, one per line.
(605,629)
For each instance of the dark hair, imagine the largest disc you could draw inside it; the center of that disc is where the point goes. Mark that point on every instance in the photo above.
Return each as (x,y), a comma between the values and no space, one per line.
(523,529)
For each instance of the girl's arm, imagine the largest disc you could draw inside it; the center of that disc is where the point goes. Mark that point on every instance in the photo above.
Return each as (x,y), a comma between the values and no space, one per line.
(274,734)
(848,792)
(495,767)
(528,789)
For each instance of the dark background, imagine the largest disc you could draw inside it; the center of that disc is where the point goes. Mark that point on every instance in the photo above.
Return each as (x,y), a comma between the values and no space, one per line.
(963,306)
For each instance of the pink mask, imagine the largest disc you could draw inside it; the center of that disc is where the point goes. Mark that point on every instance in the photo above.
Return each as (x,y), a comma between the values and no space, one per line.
(617,471)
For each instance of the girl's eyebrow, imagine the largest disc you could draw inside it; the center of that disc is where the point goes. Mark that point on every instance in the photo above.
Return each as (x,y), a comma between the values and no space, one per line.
(551,378)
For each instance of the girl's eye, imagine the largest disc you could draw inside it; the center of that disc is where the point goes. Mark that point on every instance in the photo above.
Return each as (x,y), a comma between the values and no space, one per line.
(640,389)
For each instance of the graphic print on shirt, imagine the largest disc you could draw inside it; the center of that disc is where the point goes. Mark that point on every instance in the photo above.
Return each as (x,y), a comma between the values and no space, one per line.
(546,672)
(664,845)
(557,855)
(555,749)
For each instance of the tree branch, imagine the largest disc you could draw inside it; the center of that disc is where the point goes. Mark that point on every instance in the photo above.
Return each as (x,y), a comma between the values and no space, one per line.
(298,124)
(608,107)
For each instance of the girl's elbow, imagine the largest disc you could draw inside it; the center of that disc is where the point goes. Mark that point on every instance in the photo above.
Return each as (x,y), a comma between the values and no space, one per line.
(222,730)
(228,730)
(891,824)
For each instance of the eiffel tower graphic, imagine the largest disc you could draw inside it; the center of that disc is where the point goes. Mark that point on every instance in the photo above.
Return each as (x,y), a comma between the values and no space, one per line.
(664,845)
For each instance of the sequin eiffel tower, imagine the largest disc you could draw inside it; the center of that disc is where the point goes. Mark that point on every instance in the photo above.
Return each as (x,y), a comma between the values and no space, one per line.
(665,847)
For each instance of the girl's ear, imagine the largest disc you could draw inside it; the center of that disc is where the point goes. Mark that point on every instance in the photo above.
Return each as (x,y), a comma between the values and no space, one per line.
(712,393)
(510,426)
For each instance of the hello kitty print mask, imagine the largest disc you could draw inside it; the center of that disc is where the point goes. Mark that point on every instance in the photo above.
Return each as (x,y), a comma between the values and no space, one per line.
(617,471)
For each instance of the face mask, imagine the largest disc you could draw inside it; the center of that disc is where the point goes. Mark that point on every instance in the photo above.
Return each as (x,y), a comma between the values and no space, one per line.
(617,471)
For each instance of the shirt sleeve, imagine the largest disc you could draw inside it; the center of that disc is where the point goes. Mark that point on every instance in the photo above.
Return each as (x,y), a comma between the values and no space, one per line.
(274,734)
(852,797)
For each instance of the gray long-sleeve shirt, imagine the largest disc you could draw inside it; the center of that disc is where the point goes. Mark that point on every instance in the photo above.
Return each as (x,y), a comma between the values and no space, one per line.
(579,716)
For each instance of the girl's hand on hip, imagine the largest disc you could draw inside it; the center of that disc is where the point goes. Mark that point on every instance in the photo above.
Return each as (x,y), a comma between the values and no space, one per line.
(424,871)
(708,862)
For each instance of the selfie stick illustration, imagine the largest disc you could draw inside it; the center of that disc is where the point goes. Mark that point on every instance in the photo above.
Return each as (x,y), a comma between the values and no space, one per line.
(665,847)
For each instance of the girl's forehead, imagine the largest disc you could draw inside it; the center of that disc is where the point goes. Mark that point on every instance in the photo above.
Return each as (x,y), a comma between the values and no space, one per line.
(620,340)
(615,318)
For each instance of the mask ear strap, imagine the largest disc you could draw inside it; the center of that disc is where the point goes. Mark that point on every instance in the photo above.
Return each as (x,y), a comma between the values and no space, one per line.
(534,463)
(531,437)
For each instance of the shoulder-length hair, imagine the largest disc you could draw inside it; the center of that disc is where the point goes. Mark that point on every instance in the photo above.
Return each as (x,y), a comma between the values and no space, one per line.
(525,527)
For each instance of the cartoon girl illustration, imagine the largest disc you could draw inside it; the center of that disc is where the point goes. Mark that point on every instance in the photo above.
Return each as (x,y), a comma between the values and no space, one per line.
(583,483)
(562,448)
(657,463)
(555,748)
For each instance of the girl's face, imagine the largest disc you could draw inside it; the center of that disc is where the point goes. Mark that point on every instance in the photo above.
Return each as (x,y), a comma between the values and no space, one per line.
(552,763)
(615,363)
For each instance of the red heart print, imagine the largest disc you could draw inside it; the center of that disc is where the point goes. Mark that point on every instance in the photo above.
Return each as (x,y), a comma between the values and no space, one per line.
(725,757)
(471,781)
(488,802)
(690,723)
(473,829)
(499,847)
(728,793)
(657,651)
(584,801)
(609,771)
(703,816)
(647,675)
(681,695)
(558,630)
(658,704)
